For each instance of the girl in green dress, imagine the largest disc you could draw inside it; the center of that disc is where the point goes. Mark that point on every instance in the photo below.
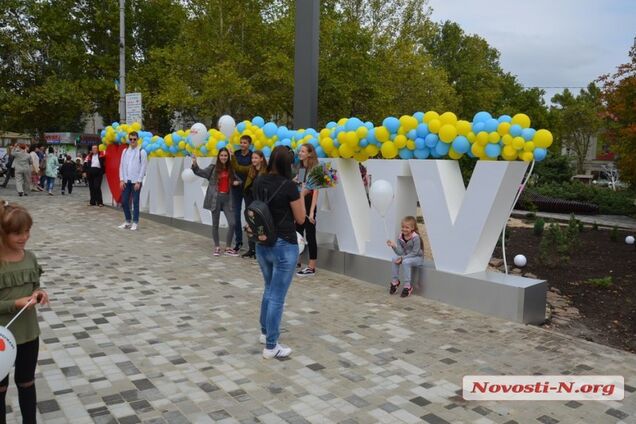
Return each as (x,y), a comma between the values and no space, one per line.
(20,286)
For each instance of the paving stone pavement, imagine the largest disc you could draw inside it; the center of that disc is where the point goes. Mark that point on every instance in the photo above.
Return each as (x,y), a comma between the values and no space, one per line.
(149,327)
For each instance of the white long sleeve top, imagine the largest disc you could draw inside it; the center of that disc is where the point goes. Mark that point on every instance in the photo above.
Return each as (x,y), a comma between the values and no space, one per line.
(132,166)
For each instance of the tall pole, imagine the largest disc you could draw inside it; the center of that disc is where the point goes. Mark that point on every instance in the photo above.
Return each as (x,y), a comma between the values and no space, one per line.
(122,61)
(306,64)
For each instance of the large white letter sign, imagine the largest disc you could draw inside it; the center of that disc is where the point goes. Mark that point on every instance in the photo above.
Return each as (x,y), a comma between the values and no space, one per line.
(194,194)
(398,174)
(162,193)
(349,221)
(463,225)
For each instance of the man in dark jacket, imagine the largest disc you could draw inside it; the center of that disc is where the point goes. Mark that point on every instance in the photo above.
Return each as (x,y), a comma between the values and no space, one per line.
(8,162)
(68,174)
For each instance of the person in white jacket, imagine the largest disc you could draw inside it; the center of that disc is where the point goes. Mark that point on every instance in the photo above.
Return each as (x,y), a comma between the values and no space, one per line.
(132,169)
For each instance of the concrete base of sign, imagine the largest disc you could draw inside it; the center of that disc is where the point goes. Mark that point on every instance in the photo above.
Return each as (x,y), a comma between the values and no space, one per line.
(509,297)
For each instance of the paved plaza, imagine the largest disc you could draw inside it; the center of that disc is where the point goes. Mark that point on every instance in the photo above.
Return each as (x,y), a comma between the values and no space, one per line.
(149,327)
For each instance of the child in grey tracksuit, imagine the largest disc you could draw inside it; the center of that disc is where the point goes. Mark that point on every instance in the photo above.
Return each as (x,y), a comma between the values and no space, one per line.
(408,248)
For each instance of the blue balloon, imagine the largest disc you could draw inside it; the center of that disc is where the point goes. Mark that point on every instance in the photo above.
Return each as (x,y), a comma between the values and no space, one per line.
(320,152)
(115,125)
(493,150)
(278,143)
(337,131)
(392,137)
(515,130)
(431,140)
(286,142)
(490,125)
(504,118)
(470,154)
(220,144)
(336,143)
(203,150)
(313,142)
(331,125)
(270,129)
(434,153)
(363,143)
(478,127)
(392,124)
(353,124)
(540,154)
(282,132)
(528,133)
(419,116)
(267,151)
(422,153)
(461,144)
(481,117)
(442,148)
(405,153)
(419,143)
(240,127)
(176,138)
(422,130)
(102,133)
(411,135)
(371,135)
(258,121)
(369,125)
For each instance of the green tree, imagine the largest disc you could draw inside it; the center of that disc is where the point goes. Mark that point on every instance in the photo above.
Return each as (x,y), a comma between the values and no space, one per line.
(577,120)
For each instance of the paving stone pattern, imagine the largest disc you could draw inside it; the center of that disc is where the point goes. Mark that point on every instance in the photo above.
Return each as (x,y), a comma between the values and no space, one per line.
(149,327)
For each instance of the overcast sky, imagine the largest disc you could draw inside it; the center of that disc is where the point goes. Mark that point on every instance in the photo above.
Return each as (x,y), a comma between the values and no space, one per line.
(549,43)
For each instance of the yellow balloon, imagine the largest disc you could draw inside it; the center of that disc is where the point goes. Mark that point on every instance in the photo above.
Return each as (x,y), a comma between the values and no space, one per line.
(448,118)
(509,153)
(453,154)
(342,136)
(102,147)
(503,128)
(362,132)
(335,153)
(463,127)
(408,122)
(352,139)
(361,156)
(215,152)
(471,137)
(528,146)
(400,141)
(410,144)
(506,139)
(477,150)
(388,149)
(543,138)
(494,137)
(382,134)
(327,144)
(345,151)
(434,125)
(482,138)
(371,150)
(342,121)
(136,126)
(181,133)
(518,143)
(401,131)
(521,119)
(430,115)
(325,132)
(258,144)
(527,156)
(447,133)
(168,142)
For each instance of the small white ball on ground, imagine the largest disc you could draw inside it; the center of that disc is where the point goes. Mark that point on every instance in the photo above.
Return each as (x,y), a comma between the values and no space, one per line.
(629,239)
(520,261)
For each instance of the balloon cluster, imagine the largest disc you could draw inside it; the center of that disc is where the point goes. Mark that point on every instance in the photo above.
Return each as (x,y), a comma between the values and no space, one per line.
(418,136)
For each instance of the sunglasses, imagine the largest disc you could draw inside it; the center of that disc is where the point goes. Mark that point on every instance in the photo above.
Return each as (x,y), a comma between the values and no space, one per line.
(133,139)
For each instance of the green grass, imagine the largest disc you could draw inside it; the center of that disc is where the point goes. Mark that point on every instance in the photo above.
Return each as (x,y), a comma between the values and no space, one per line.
(600,282)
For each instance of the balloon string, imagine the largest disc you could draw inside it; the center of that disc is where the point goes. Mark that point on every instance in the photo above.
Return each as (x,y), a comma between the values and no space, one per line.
(18,314)
(386,229)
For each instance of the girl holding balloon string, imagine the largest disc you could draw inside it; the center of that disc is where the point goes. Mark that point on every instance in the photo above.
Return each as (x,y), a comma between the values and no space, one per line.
(19,288)
(408,247)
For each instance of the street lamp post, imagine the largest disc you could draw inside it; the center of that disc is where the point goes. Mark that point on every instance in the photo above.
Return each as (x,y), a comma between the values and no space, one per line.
(122,61)
(306,64)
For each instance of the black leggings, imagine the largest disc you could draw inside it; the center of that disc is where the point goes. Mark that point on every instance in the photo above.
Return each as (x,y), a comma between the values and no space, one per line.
(308,230)
(25,362)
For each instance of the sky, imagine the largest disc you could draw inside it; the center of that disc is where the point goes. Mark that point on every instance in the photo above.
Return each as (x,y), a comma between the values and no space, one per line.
(549,43)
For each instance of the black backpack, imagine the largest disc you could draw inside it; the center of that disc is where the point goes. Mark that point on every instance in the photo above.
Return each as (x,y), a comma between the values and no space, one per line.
(261,227)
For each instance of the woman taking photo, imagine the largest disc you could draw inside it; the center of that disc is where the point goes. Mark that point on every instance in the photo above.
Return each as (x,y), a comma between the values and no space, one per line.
(277,262)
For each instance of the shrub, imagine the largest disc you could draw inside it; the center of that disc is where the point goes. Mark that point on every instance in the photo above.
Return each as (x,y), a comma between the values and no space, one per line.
(573,229)
(595,226)
(614,233)
(554,247)
(609,202)
(555,169)
(600,282)
(539,225)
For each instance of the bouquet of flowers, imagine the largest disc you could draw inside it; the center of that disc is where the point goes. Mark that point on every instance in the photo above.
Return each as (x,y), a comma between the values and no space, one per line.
(321,176)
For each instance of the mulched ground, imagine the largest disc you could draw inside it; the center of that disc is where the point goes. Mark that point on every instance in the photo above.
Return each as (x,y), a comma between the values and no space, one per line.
(609,313)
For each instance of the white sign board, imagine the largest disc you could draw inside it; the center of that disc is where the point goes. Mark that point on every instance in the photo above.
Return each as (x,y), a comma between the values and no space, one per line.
(134,110)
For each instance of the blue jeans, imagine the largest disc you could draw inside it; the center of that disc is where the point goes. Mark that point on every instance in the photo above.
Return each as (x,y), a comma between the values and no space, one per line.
(278,264)
(129,191)
(50,181)
(237,200)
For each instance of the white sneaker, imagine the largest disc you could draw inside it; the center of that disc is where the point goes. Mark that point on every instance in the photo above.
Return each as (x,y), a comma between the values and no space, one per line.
(124,226)
(134,227)
(279,351)
(262,339)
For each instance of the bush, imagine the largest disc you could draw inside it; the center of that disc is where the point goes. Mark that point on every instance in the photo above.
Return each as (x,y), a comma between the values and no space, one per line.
(609,202)
(573,229)
(555,247)
(539,224)
(553,170)
(614,233)
(600,282)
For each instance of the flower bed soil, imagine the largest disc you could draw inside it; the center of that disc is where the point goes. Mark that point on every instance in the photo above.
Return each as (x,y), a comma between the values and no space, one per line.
(607,314)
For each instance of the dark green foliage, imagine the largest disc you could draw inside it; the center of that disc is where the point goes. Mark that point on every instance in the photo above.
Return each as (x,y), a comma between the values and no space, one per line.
(609,202)
(614,233)
(595,226)
(555,246)
(600,282)
(554,169)
(539,225)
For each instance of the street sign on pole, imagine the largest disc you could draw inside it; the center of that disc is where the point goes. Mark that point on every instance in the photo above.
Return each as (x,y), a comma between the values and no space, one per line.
(134,110)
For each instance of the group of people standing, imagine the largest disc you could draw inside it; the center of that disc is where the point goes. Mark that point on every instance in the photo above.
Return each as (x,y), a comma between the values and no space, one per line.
(33,169)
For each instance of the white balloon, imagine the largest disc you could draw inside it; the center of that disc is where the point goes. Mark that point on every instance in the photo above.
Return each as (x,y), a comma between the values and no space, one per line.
(198,134)
(301,243)
(381,196)
(520,261)
(188,175)
(227,125)
(629,239)
(7,351)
